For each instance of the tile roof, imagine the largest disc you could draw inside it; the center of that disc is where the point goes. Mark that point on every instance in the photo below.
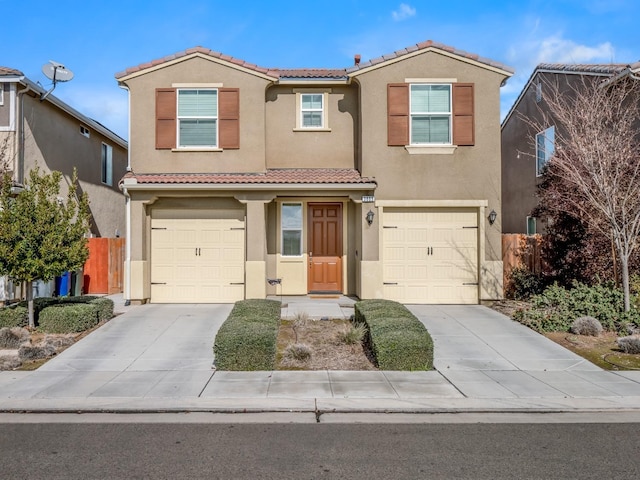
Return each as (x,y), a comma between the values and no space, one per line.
(10,72)
(598,68)
(271,176)
(317,72)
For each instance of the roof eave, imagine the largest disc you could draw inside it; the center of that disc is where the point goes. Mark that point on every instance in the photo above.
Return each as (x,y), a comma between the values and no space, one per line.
(132,184)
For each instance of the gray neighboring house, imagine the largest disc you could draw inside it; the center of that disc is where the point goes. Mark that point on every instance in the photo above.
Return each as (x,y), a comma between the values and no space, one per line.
(52,135)
(523,158)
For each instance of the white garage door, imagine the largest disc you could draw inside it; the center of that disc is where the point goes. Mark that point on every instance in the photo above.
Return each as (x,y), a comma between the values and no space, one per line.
(430,255)
(197,256)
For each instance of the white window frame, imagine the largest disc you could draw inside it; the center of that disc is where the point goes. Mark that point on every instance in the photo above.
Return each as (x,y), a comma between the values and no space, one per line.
(547,156)
(106,164)
(299,110)
(2,89)
(538,92)
(185,117)
(84,131)
(413,113)
(293,229)
(534,221)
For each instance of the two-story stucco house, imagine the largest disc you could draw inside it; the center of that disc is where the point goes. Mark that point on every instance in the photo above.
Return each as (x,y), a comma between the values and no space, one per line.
(51,135)
(376,180)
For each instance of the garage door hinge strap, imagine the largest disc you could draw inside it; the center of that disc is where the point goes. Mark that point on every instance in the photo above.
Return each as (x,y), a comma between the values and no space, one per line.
(158,228)
(471,227)
(236,283)
(236,228)
(390,226)
(390,283)
(470,283)
(158,283)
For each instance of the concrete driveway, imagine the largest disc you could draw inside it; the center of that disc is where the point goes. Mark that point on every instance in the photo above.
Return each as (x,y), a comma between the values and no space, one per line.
(159,357)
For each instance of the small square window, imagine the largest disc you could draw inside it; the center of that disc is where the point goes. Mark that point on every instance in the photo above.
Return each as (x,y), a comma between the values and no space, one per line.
(531,226)
(312,108)
(85,131)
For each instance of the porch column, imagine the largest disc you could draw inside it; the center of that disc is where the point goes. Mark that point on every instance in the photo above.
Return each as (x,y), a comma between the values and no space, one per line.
(256,244)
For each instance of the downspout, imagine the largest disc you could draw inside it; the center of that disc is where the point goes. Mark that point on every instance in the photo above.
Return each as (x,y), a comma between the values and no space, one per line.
(21,137)
(127,260)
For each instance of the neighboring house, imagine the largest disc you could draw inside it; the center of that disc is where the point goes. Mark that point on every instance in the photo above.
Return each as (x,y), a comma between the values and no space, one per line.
(525,152)
(51,135)
(375,180)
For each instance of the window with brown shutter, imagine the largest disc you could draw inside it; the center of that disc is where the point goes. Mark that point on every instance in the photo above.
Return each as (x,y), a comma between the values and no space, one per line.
(397,114)
(165,118)
(229,117)
(463,113)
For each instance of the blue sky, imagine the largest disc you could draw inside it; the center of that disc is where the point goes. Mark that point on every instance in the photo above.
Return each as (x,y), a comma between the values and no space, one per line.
(97,39)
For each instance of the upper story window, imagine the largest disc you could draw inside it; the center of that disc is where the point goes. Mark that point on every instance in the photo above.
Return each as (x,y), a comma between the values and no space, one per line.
(430,114)
(531,226)
(84,131)
(538,92)
(106,164)
(312,110)
(1,94)
(545,146)
(198,118)
(291,225)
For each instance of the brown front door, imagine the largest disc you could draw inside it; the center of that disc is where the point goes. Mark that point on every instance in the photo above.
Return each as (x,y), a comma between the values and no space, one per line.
(325,247)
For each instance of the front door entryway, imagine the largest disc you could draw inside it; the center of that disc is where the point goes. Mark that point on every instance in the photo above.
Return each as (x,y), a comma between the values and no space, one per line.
(325,248)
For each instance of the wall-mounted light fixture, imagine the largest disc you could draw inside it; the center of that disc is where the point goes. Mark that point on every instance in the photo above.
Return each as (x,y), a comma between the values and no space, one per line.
(492,217)
(369,217)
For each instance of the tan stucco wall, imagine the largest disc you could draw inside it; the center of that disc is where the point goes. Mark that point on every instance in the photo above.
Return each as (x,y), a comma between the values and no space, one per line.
(53,142)
(289,147)
(470,173)
(251,155)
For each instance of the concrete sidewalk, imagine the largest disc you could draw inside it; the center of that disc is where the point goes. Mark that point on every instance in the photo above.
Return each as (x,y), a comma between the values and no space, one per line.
(159,358)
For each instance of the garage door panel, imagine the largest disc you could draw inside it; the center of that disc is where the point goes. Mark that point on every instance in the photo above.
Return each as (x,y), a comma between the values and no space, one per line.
(197,260)
(431,254)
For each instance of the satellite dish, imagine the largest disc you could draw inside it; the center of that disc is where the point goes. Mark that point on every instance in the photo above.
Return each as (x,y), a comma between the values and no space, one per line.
(57,72)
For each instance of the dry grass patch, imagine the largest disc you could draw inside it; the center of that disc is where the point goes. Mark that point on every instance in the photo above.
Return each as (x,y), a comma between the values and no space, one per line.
(325,340)
(602,350)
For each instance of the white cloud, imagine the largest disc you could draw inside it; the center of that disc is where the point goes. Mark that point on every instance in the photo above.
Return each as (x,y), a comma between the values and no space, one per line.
(404,11)
(559,50)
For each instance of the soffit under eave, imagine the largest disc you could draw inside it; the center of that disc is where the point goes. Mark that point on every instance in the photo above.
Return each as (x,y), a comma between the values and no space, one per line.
(500,71)
(203,56)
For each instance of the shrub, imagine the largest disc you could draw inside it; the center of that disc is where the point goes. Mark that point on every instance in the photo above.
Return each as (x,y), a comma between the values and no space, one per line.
(523,283)
(353,334)
(247,338)
(34,352)
(104,306)
(13,337)
(629,344)
(396,338)
(14,316)
(556,307)
(68,318)
(586,326)
(298,351)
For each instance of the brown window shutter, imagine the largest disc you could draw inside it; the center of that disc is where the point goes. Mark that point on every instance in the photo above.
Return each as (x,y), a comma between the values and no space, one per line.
(463,124)
(165,118)
(398,114)
(229,117)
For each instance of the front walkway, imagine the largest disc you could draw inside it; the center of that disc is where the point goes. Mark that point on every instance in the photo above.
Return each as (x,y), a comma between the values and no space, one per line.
(159,358)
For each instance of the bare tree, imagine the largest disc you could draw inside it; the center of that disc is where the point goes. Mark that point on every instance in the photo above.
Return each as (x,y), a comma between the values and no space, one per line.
(597,157)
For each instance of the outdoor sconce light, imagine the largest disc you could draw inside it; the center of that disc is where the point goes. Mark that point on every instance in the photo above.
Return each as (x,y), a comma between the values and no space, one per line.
(492,217)
(369,217)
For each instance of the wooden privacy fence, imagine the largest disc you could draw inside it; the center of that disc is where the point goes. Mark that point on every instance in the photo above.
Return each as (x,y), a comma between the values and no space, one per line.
(519,250)
(103,271)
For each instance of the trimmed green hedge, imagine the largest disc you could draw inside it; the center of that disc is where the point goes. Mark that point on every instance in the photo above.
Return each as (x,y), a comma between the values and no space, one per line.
(68,318)
(14,316)
(396,338)
(247,339)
